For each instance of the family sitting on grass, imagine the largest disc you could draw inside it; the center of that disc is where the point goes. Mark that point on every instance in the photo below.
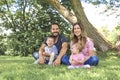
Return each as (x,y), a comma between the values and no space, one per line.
(83,53)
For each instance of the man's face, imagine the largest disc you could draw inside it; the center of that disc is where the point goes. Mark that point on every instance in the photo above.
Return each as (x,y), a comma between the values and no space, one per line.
(55,30)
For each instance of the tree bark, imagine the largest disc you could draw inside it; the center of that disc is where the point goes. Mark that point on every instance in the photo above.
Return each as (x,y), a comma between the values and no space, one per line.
(63,11)
(100,42)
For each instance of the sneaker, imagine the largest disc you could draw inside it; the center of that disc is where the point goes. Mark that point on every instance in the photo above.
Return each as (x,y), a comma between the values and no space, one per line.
(50,63)
(36,62)
(72,67)
(86,66)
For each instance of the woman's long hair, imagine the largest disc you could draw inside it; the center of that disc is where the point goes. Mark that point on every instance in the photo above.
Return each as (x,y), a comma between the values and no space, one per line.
(83,35)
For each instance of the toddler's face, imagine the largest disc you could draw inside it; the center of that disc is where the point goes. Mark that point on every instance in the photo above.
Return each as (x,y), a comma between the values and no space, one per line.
(74,49)
(50,42)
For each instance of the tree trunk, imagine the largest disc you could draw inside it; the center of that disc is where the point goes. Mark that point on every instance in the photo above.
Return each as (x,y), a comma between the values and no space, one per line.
(92,32)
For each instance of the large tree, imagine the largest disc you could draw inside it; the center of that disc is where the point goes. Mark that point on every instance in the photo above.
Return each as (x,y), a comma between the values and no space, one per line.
(100,42)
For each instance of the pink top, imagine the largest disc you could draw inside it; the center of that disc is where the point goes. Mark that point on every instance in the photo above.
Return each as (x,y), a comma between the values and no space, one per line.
(88,47)
(77,57)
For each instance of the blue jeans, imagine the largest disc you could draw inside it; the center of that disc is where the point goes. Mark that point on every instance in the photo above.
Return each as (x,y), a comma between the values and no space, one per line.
(64,60)
(92,61)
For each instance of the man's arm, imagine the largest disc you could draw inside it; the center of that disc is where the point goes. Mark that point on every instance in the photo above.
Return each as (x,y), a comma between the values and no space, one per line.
(62,52)
(41,57)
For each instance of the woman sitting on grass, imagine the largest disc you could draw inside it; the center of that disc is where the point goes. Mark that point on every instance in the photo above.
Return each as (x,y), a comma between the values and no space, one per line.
(79,36)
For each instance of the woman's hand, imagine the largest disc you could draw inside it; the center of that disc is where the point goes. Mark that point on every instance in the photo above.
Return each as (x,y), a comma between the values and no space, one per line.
(74,62)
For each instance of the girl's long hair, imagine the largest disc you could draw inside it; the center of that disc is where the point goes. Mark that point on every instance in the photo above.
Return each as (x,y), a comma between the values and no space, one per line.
(83,36)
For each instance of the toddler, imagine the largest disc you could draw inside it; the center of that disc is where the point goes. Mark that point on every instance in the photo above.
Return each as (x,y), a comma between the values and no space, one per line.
(50,52)
(77,59)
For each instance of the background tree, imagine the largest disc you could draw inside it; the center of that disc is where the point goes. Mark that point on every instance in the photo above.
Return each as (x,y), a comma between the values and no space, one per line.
(29,23)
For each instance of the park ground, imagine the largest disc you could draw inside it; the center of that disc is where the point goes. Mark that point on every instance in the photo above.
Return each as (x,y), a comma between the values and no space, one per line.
(22,68)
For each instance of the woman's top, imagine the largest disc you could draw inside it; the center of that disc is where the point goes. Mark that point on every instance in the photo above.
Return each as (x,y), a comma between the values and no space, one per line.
(88,47)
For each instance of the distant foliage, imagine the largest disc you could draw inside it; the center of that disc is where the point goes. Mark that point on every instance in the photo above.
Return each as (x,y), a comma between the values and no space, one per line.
(29,21)
(109,35)
(2,45)
(118,28)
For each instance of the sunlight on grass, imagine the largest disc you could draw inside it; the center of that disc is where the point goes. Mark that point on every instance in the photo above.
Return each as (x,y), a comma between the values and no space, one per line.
(21,68)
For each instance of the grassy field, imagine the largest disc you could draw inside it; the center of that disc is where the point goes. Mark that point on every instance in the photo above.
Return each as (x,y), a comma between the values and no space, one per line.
(21,68)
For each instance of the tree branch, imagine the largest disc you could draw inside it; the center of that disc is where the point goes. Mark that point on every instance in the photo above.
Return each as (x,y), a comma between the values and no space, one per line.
(63,11)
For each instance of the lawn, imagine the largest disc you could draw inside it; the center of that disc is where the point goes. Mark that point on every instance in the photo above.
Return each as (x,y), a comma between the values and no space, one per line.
(21,68)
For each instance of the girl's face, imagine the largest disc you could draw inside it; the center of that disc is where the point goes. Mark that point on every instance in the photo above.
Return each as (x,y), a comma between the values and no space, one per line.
(74,49)
(50,42)
(77,30)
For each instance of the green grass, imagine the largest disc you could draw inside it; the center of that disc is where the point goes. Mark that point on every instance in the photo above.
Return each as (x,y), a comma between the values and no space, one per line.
(21,68)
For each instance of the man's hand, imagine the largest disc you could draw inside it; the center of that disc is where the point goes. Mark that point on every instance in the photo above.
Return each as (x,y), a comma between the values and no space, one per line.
(41,57)
(61,53)
(57,62)
(42,60)
(46,54)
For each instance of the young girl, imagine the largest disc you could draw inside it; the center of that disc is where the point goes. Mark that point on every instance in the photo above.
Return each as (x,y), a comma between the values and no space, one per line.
(77,59)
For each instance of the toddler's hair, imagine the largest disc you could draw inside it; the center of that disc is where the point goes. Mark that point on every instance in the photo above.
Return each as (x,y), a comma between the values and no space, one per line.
(51,36)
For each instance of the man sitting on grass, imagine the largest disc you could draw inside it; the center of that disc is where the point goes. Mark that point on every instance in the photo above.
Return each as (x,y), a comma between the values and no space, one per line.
(60,43)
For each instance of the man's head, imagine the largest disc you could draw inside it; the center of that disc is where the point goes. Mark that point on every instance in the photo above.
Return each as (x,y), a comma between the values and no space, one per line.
(55,29)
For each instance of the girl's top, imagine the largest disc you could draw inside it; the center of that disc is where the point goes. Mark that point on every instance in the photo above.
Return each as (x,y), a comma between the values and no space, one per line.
(77,57)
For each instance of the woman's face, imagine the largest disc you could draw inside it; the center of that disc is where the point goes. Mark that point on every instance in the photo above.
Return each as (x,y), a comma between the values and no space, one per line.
(77,30)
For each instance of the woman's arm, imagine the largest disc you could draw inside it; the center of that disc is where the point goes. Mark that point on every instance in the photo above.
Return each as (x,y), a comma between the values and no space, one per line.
(91,53)
(90,48)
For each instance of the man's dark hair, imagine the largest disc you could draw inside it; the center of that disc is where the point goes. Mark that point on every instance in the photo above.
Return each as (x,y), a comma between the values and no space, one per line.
(54,24)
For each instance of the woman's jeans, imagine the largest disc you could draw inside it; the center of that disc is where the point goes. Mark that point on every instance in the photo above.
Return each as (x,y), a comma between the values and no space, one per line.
(92,61)
(64,60)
